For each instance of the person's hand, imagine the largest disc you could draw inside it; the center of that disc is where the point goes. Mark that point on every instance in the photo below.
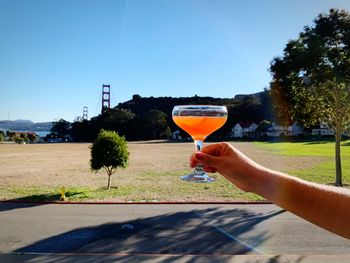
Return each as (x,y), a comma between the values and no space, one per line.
(228,161)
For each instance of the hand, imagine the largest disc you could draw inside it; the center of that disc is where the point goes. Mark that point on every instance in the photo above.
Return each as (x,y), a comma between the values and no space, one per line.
(320,204)
(228,161)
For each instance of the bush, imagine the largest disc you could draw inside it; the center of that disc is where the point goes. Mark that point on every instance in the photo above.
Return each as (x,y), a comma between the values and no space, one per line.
(109,151)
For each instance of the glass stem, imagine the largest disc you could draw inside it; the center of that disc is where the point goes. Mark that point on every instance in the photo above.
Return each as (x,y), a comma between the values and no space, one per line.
(198,170)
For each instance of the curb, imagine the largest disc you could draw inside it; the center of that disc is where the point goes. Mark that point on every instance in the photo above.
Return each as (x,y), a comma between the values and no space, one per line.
(135,203)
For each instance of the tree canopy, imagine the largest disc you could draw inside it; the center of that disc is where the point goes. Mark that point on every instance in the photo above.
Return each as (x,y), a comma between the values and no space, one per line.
(311,82)
(109,151)
(60,128)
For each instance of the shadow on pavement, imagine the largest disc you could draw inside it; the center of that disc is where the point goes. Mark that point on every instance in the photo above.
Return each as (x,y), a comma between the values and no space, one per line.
(17,204)
(204,232)
(33,200)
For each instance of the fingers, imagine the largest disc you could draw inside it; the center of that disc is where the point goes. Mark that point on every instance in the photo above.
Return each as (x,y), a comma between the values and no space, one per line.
(203,158)
(206,160)
(213,149)
(210,169)
(194,161)
(209,157)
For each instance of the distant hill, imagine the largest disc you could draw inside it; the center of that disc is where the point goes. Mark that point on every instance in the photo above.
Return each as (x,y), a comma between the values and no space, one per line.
(140,105)
(244,107)
(25,125)
(257,96)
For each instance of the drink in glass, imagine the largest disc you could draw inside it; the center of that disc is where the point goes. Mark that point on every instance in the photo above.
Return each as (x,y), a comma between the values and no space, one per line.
(199,121)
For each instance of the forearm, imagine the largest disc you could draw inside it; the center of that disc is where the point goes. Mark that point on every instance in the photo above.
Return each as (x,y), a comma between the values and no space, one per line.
(328,207)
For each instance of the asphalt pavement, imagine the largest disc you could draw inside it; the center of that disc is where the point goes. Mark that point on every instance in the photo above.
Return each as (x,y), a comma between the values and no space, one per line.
(162,233)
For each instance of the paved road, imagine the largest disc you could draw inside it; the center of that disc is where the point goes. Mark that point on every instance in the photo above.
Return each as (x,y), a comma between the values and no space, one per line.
(196,233)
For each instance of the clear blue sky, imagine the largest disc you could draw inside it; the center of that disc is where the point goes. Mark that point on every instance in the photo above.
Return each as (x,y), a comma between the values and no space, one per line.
(56,54)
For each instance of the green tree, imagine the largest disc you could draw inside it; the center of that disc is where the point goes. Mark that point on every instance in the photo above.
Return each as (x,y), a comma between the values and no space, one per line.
(116,119)
(167,133)
(109,151)
(2,137)
(83,131)
(11,135)
(24,137)
(311,82)
(32,137)
(155,122)
(263,127)
(60,128)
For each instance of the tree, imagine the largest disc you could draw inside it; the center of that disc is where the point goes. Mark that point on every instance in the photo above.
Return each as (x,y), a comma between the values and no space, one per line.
(263,127)
(13,136)
(109,151)
(116,119)
(167,133)
(155,122)
(311,82)
(32,137)
(60,128)
(24,137)
(83,131)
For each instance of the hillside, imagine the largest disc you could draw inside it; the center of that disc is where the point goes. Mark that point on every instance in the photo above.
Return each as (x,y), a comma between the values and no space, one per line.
(246,107)
(140,104)
(25,125)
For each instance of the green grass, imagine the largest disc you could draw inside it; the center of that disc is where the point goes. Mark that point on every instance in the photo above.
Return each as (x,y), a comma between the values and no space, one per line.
(71,193)
(317,149)
(148,187)
(323,172)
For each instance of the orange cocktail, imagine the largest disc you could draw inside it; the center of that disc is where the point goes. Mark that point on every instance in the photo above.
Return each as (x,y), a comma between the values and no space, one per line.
(199,127)
(199,121)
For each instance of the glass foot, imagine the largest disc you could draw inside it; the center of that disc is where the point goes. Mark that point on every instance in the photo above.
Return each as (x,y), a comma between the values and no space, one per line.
(203,178)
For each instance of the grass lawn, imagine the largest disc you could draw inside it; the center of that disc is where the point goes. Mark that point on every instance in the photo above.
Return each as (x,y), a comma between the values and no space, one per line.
(324,171)
(37,172)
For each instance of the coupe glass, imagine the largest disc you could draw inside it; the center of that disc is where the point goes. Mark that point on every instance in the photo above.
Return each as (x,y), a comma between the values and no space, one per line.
(199,121)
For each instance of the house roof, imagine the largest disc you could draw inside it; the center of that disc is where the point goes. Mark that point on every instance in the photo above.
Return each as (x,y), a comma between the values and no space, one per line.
(246,124)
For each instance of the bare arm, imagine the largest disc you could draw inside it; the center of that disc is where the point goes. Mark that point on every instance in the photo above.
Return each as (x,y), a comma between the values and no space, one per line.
(325,206)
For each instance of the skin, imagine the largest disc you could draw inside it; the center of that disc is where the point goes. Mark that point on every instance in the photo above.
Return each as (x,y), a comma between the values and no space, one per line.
(325,206)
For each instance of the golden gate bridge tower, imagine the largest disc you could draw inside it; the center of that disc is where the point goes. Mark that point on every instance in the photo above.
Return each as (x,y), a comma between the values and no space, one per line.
(106,97)
(85,113)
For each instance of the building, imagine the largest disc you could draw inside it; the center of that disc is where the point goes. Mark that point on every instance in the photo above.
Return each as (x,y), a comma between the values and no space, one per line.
(176,135)
(243,129)
(321,130)
(276,130)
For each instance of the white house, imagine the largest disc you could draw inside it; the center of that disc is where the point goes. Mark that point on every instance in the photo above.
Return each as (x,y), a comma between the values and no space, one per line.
(243,129)
(322,130)
(237,131)
(296,129)
(277,130)
(176,135)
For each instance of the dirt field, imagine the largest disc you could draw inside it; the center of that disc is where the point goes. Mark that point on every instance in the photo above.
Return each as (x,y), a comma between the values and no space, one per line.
(153,165)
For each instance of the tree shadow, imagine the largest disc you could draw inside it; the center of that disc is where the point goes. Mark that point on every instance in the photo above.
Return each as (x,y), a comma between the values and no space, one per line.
(33,200)
(46,197)
(318,142)
(202,232)
(347,143)
(17,204)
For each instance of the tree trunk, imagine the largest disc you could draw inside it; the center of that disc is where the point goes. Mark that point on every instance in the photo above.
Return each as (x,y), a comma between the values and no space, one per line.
(109,181)
(338,176)
(154,134)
